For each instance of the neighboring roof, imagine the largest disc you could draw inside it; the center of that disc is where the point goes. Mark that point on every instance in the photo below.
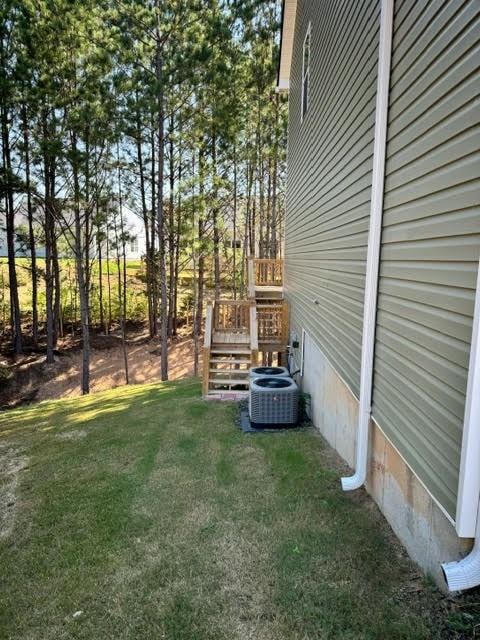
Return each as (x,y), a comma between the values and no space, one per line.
(286,44)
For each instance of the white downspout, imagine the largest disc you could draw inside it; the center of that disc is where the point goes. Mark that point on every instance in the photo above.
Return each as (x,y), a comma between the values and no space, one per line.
(465,574)
(373,253)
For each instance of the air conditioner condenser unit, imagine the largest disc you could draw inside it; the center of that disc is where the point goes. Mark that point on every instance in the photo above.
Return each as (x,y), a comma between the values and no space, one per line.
(273,401)
(269,372)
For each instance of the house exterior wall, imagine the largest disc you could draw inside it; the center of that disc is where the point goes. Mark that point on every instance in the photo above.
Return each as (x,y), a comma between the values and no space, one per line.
(429,255)
(430,239)
(427,534)
(330,176)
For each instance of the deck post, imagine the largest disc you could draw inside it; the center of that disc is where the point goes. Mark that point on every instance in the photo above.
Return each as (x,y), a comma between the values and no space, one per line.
(253,333)
(285,323)
(207,341)
(251,278)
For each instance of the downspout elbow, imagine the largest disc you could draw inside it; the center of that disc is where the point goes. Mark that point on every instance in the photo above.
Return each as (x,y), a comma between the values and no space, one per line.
(465,574)
(358,479)
(350,483)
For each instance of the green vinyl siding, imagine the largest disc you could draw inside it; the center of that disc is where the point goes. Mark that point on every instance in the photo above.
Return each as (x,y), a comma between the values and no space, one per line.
(330,175)
(430,239)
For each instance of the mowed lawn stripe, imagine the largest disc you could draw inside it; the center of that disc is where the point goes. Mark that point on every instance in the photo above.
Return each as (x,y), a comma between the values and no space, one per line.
(144,512)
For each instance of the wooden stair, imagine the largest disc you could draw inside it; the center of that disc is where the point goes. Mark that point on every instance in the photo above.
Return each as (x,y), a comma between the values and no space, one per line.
(229,370)
(230,349)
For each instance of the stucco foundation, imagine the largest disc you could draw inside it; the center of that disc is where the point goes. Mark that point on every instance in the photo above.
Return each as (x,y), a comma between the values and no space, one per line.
(420,524)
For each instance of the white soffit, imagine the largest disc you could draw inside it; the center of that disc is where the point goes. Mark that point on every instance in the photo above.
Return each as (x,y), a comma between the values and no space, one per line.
(288,32)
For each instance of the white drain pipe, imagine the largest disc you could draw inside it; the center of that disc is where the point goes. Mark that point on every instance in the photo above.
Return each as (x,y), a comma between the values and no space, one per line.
(373,253)
(465,574)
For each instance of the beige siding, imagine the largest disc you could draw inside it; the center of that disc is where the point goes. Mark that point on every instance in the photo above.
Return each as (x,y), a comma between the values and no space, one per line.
(329,176)
(430,240)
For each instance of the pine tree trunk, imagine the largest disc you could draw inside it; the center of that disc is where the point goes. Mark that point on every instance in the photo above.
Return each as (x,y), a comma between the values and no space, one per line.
(160,210)
(177,260)
(15,320)
(80,269)
(153,265)
(100,280)
(216,232)
(197,328)
(146,224)
(109,284)
(122,273)
(31,234)
(171,232)
(57,297)
(234,277)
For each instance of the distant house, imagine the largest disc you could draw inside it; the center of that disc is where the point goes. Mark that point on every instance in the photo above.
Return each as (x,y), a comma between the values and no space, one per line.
(382,256)
(136,246)
(133,226)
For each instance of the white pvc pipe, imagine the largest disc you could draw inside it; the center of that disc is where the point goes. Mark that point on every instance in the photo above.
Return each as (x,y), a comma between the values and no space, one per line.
(465,574)
(373,253)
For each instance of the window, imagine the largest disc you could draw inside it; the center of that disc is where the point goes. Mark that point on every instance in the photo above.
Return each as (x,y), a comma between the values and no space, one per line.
(306,70)
(134,245)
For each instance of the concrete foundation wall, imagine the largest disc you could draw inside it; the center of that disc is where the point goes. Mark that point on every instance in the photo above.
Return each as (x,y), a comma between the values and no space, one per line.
(420,524)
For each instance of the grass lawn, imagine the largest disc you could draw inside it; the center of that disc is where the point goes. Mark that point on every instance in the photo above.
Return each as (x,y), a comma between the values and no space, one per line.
(144,513)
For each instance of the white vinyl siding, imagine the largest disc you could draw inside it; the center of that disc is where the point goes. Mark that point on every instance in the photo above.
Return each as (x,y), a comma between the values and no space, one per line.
(330,175)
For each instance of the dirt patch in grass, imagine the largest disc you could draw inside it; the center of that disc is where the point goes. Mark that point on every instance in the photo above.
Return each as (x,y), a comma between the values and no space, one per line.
(72,435)
(12,463)
(29,379)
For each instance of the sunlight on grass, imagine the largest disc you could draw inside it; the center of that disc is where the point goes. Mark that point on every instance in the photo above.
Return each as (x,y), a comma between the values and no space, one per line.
(85,408)
(148,510)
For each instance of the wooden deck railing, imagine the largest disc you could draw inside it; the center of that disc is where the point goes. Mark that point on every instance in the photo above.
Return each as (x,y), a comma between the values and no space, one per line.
(273,323)
(231,316)
(264,272)
(268,273)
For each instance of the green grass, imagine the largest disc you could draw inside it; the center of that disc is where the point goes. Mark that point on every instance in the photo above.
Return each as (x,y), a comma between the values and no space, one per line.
(148,511)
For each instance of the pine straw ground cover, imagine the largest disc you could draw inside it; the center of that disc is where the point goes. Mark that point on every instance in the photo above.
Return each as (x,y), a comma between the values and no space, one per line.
(144,512)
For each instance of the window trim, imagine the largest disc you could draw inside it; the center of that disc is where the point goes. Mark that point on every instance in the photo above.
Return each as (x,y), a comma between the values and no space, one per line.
(306,72)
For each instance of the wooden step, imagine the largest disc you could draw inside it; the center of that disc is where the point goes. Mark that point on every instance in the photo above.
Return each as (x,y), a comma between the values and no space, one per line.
(230,371)
(229,351)
(228,382)
(215,366)
(267,305)
(220,361)
(229,396)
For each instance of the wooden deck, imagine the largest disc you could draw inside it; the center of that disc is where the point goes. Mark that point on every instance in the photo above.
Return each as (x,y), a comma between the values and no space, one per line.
(269,292)
(238,331)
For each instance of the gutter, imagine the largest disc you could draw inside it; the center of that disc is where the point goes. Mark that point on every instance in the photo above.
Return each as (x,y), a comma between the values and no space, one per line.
(465,574)
(374,242)
(279,88)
